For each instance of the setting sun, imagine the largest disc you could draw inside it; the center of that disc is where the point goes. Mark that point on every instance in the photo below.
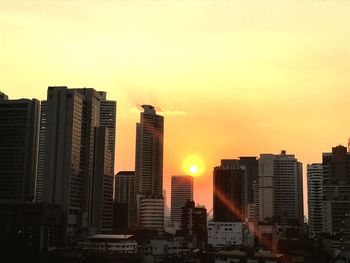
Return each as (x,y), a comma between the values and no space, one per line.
(194,169)
(193,165)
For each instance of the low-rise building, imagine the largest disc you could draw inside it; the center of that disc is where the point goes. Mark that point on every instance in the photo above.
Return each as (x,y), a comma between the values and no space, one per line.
(118,244)
(225,234)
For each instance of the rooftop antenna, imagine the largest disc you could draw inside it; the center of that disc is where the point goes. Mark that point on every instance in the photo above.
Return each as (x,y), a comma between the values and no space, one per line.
(349,145)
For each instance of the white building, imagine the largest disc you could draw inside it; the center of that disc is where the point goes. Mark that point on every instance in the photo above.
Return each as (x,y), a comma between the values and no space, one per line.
(151,213)
(280,188)
(315,194)
(119,244)
(224,234)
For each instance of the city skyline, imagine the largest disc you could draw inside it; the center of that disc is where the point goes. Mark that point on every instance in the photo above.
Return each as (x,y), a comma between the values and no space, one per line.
(228,88)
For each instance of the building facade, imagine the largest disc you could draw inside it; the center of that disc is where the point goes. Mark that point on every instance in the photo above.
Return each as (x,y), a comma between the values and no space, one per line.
(336,190)
(181,192)
(41,153)
(125,192)
(102,181)
(281,189)
(194,224)
(71,118)
(149,153)
(229,196)
(315,199)
(19,129)
(108,114)
(151,213)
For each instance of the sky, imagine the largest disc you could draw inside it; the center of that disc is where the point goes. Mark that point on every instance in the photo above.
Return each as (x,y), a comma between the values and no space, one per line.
(232,78)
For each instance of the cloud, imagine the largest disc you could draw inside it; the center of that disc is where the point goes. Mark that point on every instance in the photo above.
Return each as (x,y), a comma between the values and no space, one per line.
(161,111)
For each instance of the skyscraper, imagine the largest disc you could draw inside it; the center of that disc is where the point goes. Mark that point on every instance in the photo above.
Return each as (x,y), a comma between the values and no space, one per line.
(125,192)
(102,184)
(108,113)
(251,175)
(281,189)
(181,192)
(315,196)
(41,153)
(71,118)
(19,124)
(149,153)
(336,190)
(229,197)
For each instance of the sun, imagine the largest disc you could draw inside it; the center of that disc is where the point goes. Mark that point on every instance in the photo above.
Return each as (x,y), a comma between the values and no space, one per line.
(193,165)
(193,169)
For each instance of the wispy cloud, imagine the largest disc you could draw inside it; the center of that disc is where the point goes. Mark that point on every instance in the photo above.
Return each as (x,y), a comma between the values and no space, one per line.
(161,111)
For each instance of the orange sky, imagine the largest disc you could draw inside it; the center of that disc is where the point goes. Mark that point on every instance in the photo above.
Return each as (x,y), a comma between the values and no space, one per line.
(234,77)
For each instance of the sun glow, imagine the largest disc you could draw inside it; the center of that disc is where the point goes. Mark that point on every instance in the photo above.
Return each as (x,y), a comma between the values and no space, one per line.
(193,165)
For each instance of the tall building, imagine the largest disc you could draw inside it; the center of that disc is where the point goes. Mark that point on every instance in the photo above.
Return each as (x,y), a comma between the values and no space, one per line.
(19,124)
(102,183)
(181,192)
(251,165)
(149,153)
(229,198)
(71,118)
(336,190)
(281,189)
(125,192)
(194,224)
(108,113)
(41,154)
(315,199)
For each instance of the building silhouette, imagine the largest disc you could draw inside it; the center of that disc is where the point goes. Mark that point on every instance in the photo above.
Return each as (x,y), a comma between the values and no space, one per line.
(281,189)
(102,183)
(149,153)
(336,190)
(181,192)
(71,152)
(149,169)
(194,224)
(229,196)
(19,128)
(125,192)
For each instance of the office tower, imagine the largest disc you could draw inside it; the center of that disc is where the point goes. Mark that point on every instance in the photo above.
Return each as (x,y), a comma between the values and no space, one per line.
(71,117)
(336,190)
(41,153)
(315,196)
(151,213)
(181,192)
(194,224)
(281,189)
(19,124)
(108,113)
(102,184)
(125,192)
(149,153)
(229,199)
(251,175)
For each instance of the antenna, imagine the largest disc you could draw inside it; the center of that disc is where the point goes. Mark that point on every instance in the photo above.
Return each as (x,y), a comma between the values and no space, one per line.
(349,145)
